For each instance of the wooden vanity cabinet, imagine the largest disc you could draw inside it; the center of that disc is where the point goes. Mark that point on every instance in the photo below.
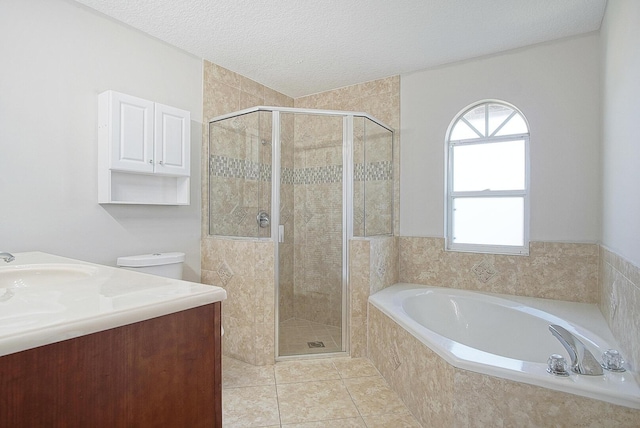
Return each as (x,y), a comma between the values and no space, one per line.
(161,372)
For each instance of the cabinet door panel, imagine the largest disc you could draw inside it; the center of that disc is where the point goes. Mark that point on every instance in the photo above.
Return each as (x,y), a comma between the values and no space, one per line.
(172,140)
(132,133)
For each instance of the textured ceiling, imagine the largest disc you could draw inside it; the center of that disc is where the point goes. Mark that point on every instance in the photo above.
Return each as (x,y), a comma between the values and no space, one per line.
(300,47)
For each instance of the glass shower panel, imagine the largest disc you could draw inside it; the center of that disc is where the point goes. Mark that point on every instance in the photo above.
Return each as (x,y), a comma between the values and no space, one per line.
(240,175)
(358,176)
(265,153)
(376,179)
(311,257)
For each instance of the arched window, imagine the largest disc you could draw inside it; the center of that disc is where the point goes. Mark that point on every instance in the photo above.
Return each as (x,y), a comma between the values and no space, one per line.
(487,176)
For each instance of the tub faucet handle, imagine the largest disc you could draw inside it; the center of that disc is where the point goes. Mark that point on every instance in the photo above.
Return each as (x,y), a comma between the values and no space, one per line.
(557,365)
(612,361)
(582,361)
(7,257)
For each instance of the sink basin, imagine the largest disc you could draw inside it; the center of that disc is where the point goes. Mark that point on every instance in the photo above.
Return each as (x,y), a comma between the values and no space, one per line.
(43,274)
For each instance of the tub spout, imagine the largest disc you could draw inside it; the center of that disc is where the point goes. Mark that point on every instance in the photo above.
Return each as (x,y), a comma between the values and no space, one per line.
(582,361)
(7,257)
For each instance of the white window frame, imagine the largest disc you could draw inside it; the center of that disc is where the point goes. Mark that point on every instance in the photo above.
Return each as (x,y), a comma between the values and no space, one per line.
(450,194)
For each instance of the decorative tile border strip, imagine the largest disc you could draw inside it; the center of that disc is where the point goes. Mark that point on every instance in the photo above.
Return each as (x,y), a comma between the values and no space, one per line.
(324,174)
(373,171)
(222,166)
(287,176)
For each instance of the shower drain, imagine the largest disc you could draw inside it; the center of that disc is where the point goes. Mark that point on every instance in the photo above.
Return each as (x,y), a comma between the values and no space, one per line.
(315,344)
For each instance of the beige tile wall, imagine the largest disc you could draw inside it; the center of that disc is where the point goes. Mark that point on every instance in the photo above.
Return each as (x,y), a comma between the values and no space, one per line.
(553,270)
(287,218)
(373,185)
(318,219)
(419,376)
(226,92)
(620,302)
(245,268)
(359,280)
(441,395)
(378,98)
(373,266)
(240,184)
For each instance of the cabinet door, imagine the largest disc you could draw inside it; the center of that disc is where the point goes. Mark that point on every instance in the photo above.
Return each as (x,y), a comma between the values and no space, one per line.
(131,133)
(172,140)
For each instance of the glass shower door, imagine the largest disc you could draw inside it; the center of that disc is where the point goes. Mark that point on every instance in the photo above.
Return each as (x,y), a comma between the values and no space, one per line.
(311,278)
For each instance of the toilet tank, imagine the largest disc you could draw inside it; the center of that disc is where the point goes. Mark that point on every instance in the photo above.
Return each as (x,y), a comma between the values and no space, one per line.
(163,264)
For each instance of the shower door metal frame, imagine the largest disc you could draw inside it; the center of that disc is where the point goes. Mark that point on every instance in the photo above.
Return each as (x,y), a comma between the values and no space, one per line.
(347,208)
(347,221)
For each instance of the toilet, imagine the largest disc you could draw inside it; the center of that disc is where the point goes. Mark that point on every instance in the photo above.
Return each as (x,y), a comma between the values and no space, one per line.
(163,264)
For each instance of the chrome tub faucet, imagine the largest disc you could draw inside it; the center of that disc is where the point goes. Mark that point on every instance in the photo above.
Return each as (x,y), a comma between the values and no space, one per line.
(7,257)
(582,361)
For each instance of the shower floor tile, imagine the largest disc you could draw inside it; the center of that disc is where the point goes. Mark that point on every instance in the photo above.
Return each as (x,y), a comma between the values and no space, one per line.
(296,333)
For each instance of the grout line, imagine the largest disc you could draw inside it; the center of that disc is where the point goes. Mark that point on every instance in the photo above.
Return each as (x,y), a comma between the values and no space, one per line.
(354,402)
(278,403)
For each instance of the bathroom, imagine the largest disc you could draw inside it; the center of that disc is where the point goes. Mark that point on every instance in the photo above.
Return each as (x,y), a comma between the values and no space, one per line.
(577,93)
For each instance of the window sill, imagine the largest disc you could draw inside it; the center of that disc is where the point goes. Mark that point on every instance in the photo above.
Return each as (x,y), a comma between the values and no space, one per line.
(489,249)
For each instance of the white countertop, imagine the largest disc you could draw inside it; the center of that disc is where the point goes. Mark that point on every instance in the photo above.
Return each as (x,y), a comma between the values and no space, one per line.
(46,299)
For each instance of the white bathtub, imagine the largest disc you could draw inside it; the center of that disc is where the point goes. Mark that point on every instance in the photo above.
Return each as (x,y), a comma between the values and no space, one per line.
(507,336)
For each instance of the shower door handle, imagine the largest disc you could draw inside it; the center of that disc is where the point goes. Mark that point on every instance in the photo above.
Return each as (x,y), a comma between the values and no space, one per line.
(263,219)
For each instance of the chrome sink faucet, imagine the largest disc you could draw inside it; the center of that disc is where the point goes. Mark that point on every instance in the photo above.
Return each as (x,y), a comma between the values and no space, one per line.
(582,361)
(7,257)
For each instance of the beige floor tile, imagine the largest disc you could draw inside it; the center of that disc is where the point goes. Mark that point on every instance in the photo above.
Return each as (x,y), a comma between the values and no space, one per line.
(305,371)
(333,423)
(237,373)
(253,406)
(373,396)
(392,421)
(314,401)
(355,367)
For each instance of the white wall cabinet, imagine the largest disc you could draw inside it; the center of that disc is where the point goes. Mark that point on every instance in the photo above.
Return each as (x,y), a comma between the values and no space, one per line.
(144,151)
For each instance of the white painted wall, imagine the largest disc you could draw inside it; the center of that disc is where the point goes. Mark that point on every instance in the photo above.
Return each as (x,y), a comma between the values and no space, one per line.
(621,137)
(556,85)
(55,58)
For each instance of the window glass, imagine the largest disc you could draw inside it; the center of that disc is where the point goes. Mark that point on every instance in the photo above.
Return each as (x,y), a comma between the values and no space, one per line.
(476,118)
(490,166)
(498,114)
(488,221)
(487,197)
(462,131)
(515,125)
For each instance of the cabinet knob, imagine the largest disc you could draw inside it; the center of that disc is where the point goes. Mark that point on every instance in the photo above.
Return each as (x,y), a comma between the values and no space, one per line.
(160,163)
(151,161)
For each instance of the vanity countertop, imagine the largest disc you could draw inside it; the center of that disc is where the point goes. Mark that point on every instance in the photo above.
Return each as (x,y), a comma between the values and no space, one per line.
(46,299)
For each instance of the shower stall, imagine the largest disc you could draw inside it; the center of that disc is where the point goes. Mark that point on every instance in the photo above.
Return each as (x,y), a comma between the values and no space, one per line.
(308,181)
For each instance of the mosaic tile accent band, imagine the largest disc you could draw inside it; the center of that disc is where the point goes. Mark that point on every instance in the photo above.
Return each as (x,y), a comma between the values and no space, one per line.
(373,171)
(287,176)
(222,166)
(319,175)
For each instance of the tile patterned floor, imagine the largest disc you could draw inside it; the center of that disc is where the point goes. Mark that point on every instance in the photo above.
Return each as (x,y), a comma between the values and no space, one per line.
(295,334)
(335,392)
